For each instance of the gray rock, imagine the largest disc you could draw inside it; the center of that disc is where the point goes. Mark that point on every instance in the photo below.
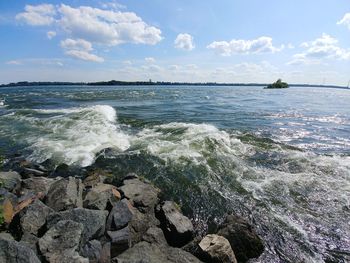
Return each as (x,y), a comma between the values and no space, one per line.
(37,184)
(6,236)
(244,240)
(14,252)
(65,194)
(92,250)
(60,243)
(106,253)
(155,235)
(101,196)
(10,180)
(178,229)
(120,240)
(142,195)
(34,216)
(217,249)
(120,215)
(94,178)
(93,221)
(30,241)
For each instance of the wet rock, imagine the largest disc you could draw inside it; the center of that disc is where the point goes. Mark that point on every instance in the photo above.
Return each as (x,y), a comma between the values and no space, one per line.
(65,194)
(62,170)
(92,250)
(244,240)
(31,172)
(217,249)
(60,243)
(120,240)
(93,221)
(37,185)
(178,229)
(120,215)
(142,195)
(101,197)
(12,251)
(10,180)
(34,216)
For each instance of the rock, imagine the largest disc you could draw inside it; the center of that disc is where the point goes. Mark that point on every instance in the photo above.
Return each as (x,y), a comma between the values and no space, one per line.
(30,241)
(34,216)
(120,240)
(178,229)
(155,235)
(244,241)
(92,250)
(62,170)
(14,252)
(217,249)
(145,252)
(60,243)
(102,196)
(94,178)
(93,221)
(6,236)
(106,253)
(65,194)
(120,215)
(142,195)
(37,184)
(30,172)
(10,180)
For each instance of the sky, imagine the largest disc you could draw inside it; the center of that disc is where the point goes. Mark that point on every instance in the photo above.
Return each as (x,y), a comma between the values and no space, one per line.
(241,41)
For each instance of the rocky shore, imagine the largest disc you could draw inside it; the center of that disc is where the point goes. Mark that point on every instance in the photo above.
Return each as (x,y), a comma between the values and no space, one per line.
(51,216)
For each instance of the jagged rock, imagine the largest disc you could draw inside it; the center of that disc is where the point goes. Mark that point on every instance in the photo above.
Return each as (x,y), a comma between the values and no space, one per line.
(178,229)
(6,236)
(217,249)
(92,250)
(33,217)
(65,194)
(60,243)
(14,252)
(30,241)
(10,180)
(120,240)
(94,178)
(244,241)
(93,221)
(142,195)
(37,185)
(6,195)
(145,252)
(106,253)
(102,196)
(155,235)
(120,215)
(62,170)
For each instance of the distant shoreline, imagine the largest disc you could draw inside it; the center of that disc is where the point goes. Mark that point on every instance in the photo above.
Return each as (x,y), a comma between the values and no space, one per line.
(150,83)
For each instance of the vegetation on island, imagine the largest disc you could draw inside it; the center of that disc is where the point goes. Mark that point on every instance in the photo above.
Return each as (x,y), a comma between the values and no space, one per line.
(279,84)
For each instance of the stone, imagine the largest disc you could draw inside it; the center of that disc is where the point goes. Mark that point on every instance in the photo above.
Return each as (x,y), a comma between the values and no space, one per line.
(244,240)
(93,221)
(217,249)
(102,196)
(120,215)
(10,180)
(155,235)
(61,242)
(106,253)
(142,195)
(92,250)
(94,178)
(178,229)
(6,236)
(120,240)
(37,185)
(34,216)
(14,252)
(30,241)
(65,194)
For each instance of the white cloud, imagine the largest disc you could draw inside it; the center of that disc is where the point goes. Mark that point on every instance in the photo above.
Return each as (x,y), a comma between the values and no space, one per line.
(51,34)
(260,45)
(113,5)
(184,41)
(127,62)
(39,15)
(79,49)
(325,47)
(345,21)
(150,60)
(83,55)
(14,62)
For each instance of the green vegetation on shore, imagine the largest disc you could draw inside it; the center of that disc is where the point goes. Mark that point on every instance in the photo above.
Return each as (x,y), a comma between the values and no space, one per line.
(279,84)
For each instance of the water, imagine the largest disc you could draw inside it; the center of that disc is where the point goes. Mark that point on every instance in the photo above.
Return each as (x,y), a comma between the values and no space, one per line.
(280,158)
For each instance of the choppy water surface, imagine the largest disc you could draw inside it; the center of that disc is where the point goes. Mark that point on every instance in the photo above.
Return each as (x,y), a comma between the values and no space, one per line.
(280,158)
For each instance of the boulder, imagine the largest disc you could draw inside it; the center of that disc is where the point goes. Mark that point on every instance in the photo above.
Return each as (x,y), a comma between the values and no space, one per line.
(101,197)
(65,194)
(106,253)
(93,221)
(178,229)
(30,241)
(94,178)
(61,242)
(244,240)
(217,249)
(120,240)
(155,235)
(92,250)
(14,252)
(34,216)
(120,215)
(10,180)
(37,185)
(142,195)
(6,236)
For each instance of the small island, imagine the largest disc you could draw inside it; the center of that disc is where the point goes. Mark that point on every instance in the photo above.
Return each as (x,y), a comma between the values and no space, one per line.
(279,84)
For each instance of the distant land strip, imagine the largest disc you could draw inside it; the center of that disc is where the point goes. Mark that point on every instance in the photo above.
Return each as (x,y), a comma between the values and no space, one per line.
(151,83)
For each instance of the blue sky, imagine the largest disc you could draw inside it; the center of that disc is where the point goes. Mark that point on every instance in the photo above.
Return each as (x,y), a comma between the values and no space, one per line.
(223,41)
